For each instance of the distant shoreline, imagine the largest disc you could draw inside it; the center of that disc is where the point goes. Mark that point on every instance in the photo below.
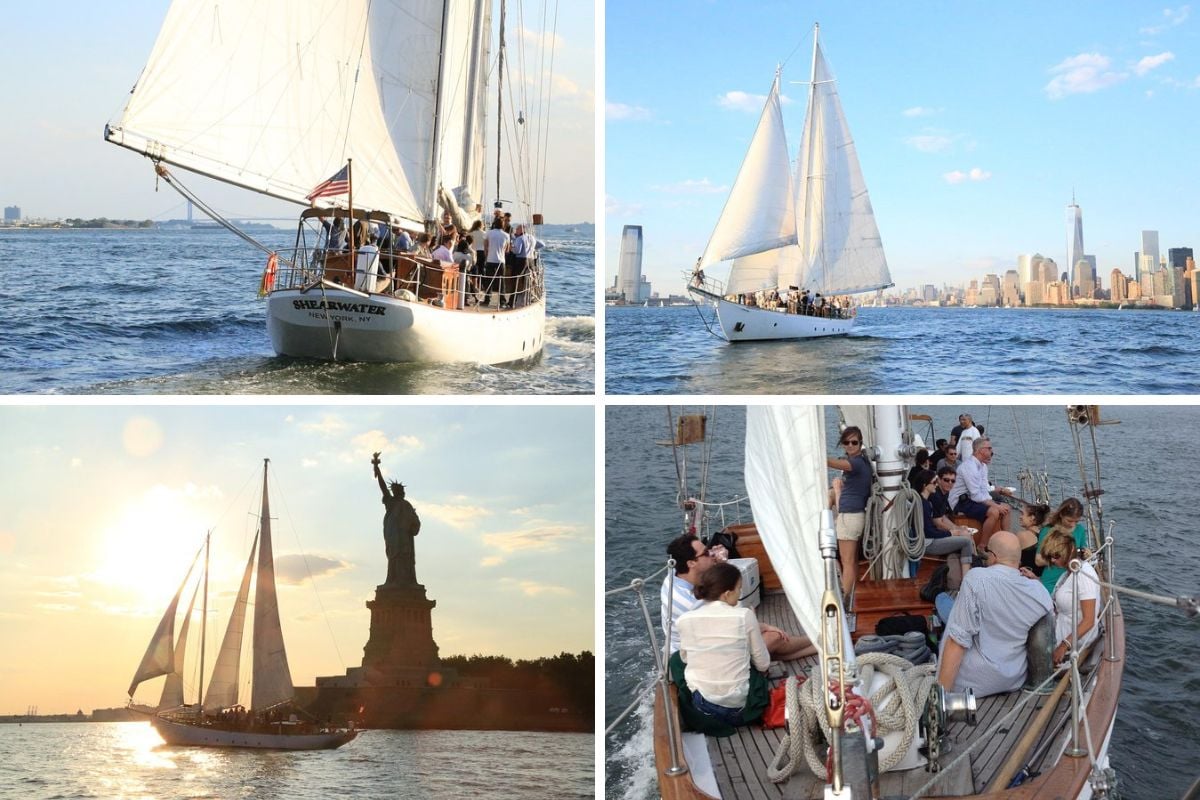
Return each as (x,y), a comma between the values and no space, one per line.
(1106,306)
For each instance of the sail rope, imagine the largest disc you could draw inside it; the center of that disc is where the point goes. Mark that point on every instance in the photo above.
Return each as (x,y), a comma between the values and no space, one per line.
(897,705)
(910,538)
(162,172)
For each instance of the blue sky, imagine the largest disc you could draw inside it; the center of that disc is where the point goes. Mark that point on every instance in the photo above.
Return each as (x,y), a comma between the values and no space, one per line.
(67,71)
(972,124)
(104,506)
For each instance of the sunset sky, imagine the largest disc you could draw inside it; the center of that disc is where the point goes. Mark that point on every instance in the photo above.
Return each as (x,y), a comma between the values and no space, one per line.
(103,507)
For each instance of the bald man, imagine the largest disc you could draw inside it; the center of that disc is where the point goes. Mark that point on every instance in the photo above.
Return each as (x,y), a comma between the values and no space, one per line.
(984,645)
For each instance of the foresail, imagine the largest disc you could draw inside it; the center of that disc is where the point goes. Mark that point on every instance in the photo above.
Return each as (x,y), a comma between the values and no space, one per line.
(786,481)
(275,95)
(172,693)
(758,215)
(160,653)
(223,688)
(272,677)
(841,250)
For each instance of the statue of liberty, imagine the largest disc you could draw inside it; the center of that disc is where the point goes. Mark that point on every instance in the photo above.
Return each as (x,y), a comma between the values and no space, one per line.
(400,525)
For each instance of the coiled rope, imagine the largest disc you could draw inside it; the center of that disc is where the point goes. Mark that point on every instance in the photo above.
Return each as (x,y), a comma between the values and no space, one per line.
(910,539)
(897,707)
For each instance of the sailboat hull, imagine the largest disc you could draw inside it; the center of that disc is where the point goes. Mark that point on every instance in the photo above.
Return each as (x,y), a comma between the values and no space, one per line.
(334,323)
(177,733)
(751,324)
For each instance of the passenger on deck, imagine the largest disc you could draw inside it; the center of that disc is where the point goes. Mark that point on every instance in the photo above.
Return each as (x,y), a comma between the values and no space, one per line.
(942,537)
(984,644)
(401,241)
(497,247)
(443,252)
(522,254)
(1058,549)
(366,265)
(692,560)
(1067,519)
(422,245)
(972,494)
(920,462)
(718,643)
(851,504)
(1033,517)
(966,436)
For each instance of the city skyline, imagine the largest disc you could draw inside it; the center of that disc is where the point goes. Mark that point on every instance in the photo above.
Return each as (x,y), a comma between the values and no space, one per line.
(77,67)
(970,151)
(104,507)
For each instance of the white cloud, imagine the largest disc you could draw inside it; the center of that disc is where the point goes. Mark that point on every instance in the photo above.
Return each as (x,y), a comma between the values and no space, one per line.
(459,517)
(619,209)
(492,561)
(1150,62)
(309,463)
(1171,18)
(744,101)
(534,589)
(930,142)
(536,537)
(295,568)
(1082,74)
(921,111)
(975,174)
(702,186)
(328,425)
(376,441)
(621,111)
(76,462)
(542,39)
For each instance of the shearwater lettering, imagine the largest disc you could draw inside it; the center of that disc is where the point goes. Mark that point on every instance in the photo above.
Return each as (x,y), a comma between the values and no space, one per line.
(334,305)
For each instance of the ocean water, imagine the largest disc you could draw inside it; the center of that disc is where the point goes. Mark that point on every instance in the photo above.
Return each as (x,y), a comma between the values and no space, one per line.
(913,351)
(128,760)
(1150,494)
(177,312)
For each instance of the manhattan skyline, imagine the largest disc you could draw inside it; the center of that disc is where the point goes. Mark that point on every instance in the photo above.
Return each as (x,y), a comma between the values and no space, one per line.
(973,128)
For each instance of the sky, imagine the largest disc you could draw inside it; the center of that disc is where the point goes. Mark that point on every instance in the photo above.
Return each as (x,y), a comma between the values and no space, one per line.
(103,507)
(973,125)
(69,72)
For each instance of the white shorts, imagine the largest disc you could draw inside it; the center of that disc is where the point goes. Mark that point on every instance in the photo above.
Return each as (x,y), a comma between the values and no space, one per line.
(850,525)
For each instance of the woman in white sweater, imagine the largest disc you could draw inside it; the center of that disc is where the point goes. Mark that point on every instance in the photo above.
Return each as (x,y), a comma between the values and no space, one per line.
(718,643)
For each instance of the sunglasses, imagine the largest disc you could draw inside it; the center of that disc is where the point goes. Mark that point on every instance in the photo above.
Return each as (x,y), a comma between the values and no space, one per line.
(854,442)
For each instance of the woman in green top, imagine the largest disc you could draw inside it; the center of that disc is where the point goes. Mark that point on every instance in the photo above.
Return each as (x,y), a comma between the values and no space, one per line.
(1065,518)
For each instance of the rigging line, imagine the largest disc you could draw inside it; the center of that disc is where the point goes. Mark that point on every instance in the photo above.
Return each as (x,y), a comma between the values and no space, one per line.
(354,83)
(543,148)
(174,183)
(279,493)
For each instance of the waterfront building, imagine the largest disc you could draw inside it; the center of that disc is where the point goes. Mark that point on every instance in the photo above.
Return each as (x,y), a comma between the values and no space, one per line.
(630,282)
(1010,292)
(1178,256)
(1034,292)
(1119,285)
(1075,245)
(989,294)
(1178,287)
(1150,249)
(12,213)
(1192,284)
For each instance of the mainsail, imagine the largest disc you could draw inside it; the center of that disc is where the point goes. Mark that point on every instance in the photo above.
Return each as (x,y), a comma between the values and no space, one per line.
(272,677)
(275,96)
(172,693)
(223,688)
(816,231)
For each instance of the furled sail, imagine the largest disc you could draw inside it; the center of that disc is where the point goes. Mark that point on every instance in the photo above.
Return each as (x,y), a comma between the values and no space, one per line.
(160,653)
(275,96)
(841,251)
(786,480)
(272,677)
(172,693)
(758,215)
(223,688)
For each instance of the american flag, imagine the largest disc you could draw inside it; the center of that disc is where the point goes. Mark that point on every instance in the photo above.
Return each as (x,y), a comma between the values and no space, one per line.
(339,183)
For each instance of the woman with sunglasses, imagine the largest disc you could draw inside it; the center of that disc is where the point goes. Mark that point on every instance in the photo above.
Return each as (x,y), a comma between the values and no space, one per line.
(1058,549)
(1033,518)
(1066,519)
(857,478)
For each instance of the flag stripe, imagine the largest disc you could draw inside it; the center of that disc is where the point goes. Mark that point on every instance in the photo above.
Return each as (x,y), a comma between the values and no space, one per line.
(338,183)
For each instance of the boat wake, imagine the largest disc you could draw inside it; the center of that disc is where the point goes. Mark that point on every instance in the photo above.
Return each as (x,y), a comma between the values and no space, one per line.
(575,334)
(630,767)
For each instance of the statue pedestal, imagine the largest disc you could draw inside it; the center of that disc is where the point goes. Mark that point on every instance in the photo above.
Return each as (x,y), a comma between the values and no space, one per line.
(400,650)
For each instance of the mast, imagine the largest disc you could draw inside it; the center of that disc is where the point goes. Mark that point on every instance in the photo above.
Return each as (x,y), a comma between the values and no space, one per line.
(432,191)
(808,132)
(500,97)
(203,620)
(472,94)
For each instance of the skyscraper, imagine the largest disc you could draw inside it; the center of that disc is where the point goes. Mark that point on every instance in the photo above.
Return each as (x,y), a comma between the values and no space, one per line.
(1150,250)
(1178,256)
(629,269)
(1075,244)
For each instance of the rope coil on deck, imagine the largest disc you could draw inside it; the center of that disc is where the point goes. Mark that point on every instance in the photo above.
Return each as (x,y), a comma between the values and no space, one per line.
(897,705)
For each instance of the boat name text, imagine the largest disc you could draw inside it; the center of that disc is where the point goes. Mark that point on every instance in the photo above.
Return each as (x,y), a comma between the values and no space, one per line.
(336,305)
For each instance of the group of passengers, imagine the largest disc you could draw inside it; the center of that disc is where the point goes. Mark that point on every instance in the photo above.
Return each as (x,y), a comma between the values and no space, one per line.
(720,650)
(796,301)
(496,261)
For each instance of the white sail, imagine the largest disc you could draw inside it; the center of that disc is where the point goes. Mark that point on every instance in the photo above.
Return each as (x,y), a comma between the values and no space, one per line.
(275,96)
(160,653)
(841,251)
(223,688)
(172,693)
(272,677)
(758,215)
(786,481)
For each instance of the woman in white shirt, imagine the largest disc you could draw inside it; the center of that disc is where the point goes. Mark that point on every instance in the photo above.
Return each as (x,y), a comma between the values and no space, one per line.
(718,643)
(1059,548)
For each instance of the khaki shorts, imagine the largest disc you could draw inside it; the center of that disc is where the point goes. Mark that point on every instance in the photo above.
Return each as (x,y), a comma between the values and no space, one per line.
(850,525)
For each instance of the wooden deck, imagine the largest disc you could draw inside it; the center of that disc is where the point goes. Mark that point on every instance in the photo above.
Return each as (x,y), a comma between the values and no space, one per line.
(740,761)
